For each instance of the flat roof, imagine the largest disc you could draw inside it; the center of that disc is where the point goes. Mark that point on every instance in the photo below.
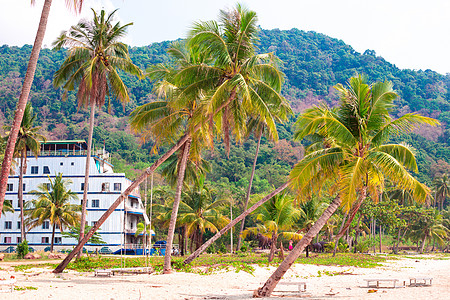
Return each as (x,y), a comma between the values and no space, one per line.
(64,142)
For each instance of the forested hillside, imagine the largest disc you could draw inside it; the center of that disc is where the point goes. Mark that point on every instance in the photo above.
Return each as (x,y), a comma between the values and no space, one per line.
(312,62)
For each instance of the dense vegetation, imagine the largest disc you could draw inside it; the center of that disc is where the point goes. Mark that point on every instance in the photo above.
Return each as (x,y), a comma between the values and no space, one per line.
(312,62)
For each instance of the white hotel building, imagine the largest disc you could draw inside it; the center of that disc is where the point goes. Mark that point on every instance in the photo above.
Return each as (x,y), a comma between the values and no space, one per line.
(105,186)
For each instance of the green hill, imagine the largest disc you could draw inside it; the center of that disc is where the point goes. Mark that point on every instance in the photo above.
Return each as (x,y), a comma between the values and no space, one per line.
(312,62)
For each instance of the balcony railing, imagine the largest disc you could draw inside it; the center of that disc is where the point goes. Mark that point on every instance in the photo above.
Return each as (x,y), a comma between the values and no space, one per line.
(66,152)
(129,208)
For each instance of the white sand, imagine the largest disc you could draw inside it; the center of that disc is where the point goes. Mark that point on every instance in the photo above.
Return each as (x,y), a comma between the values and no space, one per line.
(231,285)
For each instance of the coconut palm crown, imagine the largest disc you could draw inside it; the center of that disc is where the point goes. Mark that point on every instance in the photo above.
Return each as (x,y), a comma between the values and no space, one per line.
(354,152)
(238,82)
(95,54)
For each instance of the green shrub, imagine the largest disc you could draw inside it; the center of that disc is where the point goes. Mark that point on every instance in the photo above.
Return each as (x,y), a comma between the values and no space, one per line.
(329,247)
(244,246)
(222,248)
(211,249)
(364,245)
(343,247)
(22,249)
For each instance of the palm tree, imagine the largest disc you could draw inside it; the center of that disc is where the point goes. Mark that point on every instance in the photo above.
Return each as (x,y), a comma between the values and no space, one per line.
(238,83)
(53,204)
(145,230)
(95,57)
(258,127)
(166,121)
(27,139)
(355,157)
(429,225)
(277,217)
(199,211)
(25,92)
(442,186)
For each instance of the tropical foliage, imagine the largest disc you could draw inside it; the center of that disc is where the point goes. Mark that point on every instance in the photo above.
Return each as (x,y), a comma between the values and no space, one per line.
(53,204)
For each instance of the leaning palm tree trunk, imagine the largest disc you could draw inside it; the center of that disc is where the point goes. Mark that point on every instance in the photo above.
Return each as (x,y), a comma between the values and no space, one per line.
(28,80)
(86,175)
(176,203)
(247,197)
(273,280)
(119,200)
(234,222)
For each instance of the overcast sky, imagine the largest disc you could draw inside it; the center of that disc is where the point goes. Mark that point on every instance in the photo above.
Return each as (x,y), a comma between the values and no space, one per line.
(411,34)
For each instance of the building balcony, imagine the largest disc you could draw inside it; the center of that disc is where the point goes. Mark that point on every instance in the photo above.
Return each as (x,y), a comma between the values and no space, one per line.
(135,210)
(130,231)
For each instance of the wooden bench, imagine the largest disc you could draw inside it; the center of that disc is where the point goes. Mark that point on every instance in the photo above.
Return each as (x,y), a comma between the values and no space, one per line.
(10,282)
(393,281)
(301,285)
(143,270)
(420,281)
(103,272)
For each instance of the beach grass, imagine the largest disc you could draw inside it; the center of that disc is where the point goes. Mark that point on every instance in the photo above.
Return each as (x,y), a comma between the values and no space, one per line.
(210,263)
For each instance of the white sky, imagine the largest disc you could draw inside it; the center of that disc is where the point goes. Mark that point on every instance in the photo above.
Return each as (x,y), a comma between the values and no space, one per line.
(411,34)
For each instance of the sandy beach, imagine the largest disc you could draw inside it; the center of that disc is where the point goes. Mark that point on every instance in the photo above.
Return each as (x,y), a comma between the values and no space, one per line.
(343,282)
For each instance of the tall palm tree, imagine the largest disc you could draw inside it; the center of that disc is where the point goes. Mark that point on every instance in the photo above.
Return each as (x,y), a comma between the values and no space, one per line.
(355,157)
(27,139)
(239,82)
(53,204)
(95,56)
(442,186)
(166,121)
(277,217)
(25,92)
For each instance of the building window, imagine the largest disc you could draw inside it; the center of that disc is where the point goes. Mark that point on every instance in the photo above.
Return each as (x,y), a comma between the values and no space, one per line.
(45,240)
(46,170)
(7,240)
(105,187)
(72,163)
(8,224)
(46,225)
(117,186)
(82,186)
(58,240)
(34,170)
(87,202)
(23,187)
(18,224)
(19,240)
(48,185)
(95,203)
(9,187)
(93,223)
(61,164)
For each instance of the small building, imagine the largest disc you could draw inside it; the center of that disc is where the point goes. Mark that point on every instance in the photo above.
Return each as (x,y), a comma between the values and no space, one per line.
(69,158)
